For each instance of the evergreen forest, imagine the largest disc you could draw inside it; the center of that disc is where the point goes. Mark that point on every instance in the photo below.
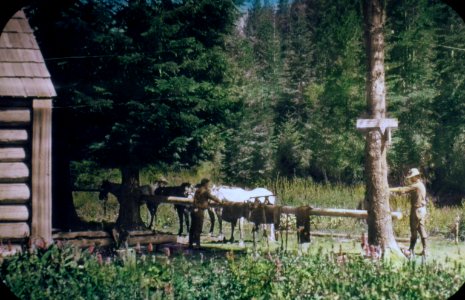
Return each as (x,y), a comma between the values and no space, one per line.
(259,89)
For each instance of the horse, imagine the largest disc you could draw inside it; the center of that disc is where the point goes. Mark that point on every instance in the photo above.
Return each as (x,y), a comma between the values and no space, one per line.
(233,211)
(182,190)
(262,214)
(150,190)
(239,195)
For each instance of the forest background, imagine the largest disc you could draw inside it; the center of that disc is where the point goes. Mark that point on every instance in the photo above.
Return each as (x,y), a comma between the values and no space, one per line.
(254,89)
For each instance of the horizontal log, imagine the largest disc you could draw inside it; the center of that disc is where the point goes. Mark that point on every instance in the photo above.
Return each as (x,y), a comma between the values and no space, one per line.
(14,213)
(81,234)
(352,213)
(168,199)
(347,236)
(86,242)
(154,239)
(14,230)
(13,136)
(141,232)
(15,117)
(330,212)
(13,172)
(14,193)
(103,242)
(97,234)
(12,154)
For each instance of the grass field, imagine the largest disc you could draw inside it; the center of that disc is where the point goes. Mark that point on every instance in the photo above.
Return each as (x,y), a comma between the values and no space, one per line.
(291,192)
(305,192)
(232,271)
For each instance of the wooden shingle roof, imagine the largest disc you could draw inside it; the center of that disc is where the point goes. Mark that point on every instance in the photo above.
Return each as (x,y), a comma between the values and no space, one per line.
(23,72)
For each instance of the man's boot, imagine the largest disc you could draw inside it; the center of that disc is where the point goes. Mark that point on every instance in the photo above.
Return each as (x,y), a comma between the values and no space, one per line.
(412,247)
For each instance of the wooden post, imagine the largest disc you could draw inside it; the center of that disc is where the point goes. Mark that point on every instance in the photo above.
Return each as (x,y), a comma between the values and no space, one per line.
(41,185)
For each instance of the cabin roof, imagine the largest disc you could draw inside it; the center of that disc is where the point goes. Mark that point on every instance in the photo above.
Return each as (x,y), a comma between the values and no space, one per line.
(23,72)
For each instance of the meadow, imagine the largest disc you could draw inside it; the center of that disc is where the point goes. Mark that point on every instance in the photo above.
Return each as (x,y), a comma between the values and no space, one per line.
(292,192)
(327,268)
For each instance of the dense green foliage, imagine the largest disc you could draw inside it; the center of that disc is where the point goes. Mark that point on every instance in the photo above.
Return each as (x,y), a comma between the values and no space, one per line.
(271,90)
(139,81)
(306,70)
(76,274)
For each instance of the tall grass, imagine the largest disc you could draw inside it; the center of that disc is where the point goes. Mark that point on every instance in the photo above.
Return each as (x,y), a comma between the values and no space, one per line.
(294,192)
(303,191)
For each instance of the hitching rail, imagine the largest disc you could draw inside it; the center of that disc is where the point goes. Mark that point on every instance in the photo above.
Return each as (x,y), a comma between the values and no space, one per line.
(330,212)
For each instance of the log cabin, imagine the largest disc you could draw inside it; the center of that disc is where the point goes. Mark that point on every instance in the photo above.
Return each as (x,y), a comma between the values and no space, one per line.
(26,93)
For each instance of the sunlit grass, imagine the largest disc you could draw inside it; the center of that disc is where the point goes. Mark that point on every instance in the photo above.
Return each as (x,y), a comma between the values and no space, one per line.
(295,192)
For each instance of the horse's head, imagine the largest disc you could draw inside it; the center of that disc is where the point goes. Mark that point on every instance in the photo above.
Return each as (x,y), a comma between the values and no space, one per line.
(189,189)
(104,190)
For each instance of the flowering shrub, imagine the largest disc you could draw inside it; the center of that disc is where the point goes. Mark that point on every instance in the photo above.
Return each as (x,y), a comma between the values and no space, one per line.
(74,274)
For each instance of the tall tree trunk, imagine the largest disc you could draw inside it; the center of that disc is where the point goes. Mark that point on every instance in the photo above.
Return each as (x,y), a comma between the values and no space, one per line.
(129,206)
(64,215)
(379,220)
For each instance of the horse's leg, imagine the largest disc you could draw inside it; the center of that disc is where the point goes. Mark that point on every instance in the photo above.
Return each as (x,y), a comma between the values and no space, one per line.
(220,221)
(272,233)
(186,217)
(179,211)
(219,214)
(254,230)
(241,226)
(211,214)
(265,234)
(151,208)
(233,224)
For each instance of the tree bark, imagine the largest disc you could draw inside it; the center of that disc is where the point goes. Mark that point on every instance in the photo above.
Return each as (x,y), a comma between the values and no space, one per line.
(379,220)
(129,201)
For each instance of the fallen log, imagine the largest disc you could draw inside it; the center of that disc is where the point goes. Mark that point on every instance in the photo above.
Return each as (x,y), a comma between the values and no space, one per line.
(81,234)
(329,212)
(103,239)
(348,236)
(340,212)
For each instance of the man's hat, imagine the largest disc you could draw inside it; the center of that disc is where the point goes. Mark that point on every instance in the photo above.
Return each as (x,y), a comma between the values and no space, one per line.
(412,173)
(162,180)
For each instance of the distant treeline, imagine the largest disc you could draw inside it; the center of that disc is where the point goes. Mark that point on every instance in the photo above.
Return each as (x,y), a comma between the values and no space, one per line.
(303,71)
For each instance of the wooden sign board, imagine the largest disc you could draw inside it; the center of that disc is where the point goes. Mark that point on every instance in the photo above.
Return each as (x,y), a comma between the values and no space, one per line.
(382,124)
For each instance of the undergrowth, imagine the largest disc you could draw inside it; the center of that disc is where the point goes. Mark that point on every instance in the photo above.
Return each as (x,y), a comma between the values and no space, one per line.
(60,273)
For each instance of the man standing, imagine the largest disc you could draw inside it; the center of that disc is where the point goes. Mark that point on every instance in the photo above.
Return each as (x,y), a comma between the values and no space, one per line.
(201,197)
(417,194)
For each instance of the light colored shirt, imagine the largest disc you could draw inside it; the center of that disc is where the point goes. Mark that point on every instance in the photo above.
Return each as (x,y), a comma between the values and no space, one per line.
(417,193)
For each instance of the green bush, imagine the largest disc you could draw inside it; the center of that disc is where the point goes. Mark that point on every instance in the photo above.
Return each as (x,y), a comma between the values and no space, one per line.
(74,274)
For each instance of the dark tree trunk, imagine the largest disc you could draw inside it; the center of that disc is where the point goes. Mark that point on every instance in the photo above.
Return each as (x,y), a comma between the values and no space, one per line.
(64,215)
(379,220)
(129,205)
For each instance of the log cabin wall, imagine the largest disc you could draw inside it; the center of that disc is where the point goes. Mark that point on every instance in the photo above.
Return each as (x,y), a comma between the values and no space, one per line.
(15,153)
(26,93)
